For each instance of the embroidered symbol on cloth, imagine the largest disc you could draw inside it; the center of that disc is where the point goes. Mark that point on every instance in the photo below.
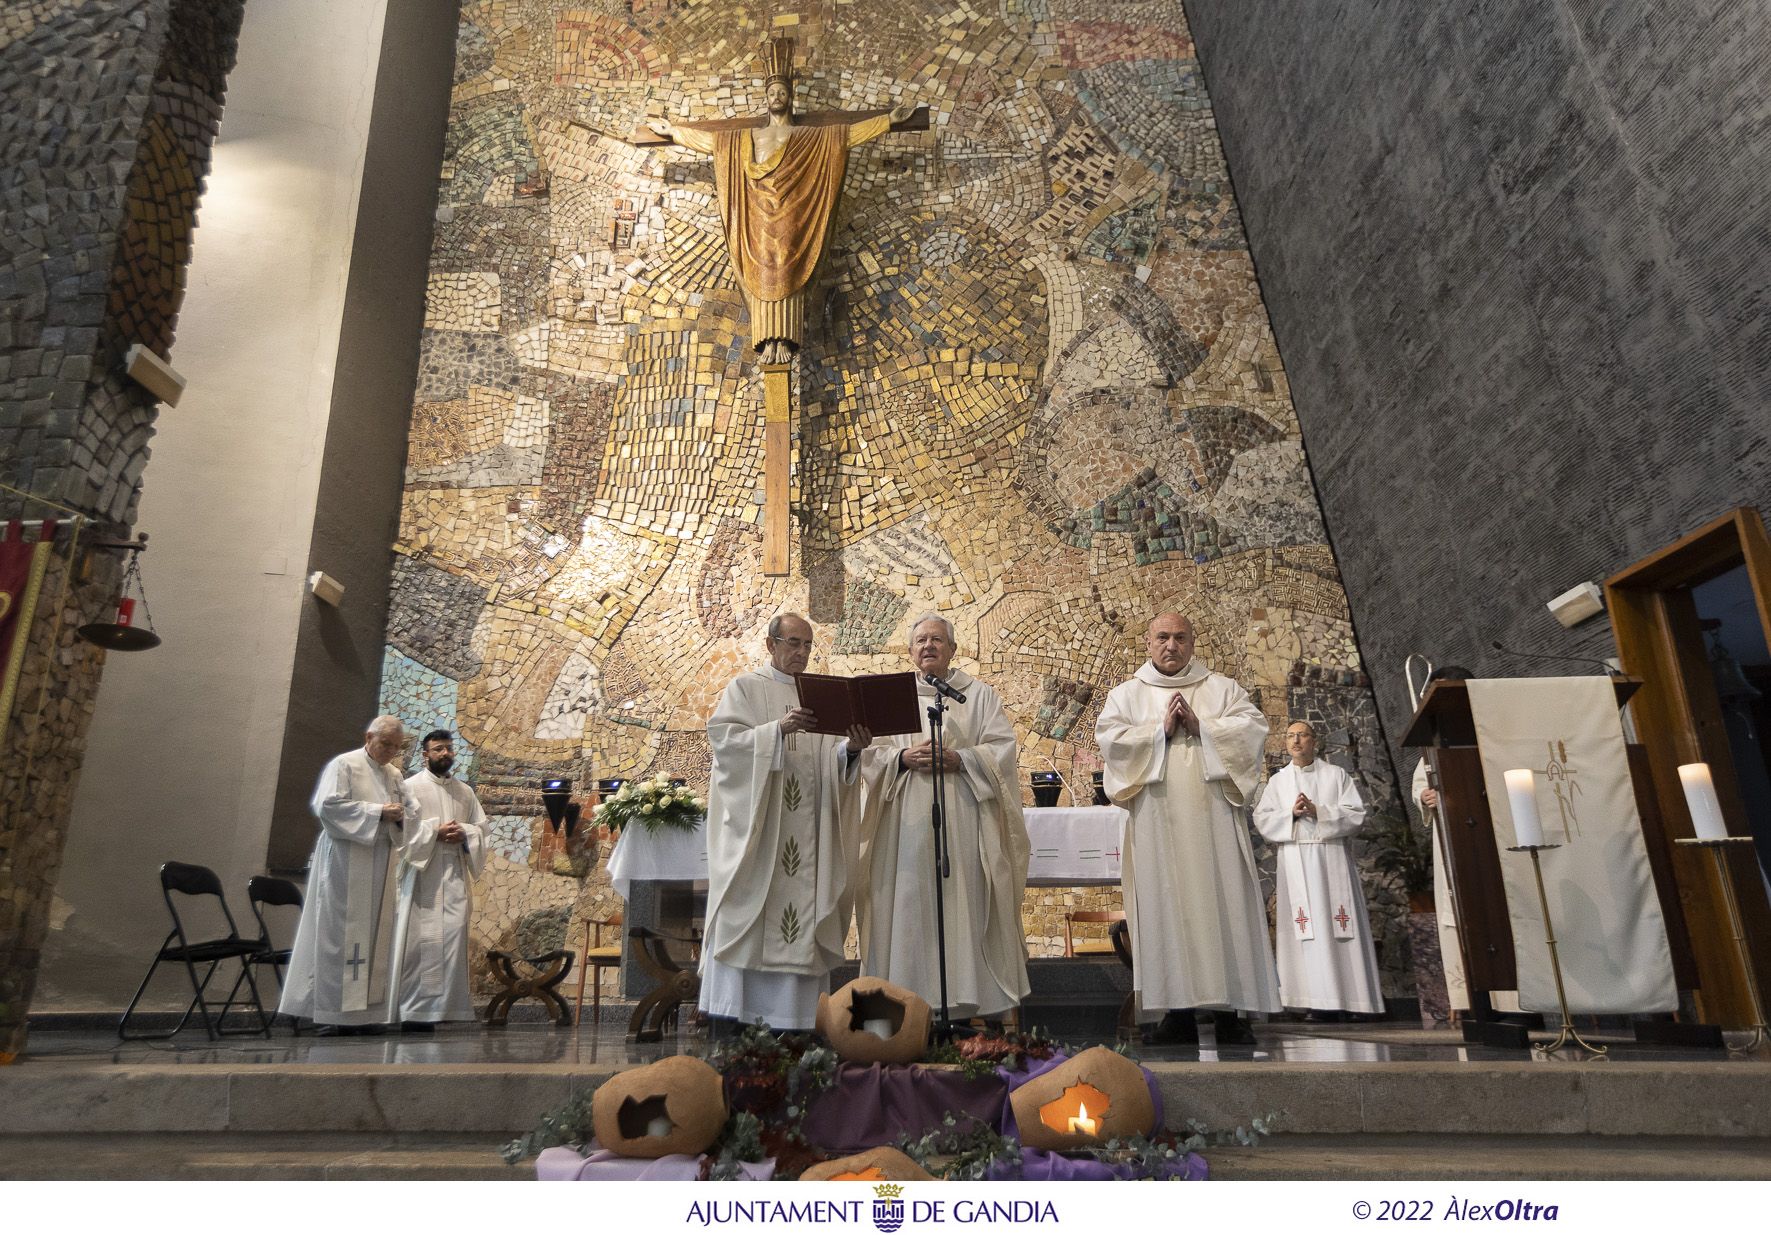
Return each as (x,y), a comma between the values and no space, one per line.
(790,924)
(790,858)
(1341,917)
(790,794)
(1303,920)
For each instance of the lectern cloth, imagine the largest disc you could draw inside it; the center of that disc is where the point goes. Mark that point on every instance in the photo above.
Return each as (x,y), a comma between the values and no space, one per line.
(1608,926)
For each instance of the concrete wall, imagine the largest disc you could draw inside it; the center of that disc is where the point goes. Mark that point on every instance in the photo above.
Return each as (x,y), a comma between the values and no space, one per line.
(1516,256)
(183,753)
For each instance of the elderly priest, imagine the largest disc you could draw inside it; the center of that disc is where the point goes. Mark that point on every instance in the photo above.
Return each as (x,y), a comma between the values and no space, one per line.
(986,838)
(1308,810)
(781,831)
(340,962)
(1181,750)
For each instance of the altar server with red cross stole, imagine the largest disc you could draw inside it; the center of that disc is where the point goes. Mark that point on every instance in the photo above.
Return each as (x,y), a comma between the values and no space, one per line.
(1308,811)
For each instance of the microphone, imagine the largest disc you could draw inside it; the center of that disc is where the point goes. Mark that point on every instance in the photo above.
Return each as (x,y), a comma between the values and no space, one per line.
(1579,660)
(941,688)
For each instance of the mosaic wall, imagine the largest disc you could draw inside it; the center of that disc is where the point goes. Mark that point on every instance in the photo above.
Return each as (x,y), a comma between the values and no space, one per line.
(108,109)
(1039,395)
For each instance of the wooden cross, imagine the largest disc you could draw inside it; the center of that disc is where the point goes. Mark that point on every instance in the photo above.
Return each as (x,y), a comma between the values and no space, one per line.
(777,388)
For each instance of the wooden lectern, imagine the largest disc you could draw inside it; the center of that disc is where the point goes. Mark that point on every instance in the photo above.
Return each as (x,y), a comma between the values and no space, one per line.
(1445,729)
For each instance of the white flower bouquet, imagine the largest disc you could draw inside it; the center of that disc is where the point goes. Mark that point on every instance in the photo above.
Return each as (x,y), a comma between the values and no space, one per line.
(652,804)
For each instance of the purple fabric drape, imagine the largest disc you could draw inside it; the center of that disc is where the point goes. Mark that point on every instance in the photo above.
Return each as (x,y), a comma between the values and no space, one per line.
(564,1162)
(1040,1164)
(872,1105)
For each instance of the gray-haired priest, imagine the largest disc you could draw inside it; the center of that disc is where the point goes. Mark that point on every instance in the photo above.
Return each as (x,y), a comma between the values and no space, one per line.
(340,963)
(1181,750)
(781,825)
(1308,810)
(986,839)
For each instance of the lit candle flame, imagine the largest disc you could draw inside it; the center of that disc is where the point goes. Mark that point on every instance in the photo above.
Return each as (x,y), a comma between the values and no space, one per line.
(1080,1122)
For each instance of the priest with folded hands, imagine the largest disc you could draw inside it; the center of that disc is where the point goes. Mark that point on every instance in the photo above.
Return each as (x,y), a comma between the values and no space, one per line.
(1308,811)
(1181,751)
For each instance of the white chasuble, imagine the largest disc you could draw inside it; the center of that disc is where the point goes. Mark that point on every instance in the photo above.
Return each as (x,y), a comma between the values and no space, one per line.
(339,963)
(988,849)
(779,857)
(1325,952)
(1193,903)
(436,901)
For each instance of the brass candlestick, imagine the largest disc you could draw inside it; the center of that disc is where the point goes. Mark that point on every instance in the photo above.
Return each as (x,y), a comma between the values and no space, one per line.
(1567,1033)
(1761,1034)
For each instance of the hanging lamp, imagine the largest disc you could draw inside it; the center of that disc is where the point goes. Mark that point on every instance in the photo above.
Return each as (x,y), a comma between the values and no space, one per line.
(125,634)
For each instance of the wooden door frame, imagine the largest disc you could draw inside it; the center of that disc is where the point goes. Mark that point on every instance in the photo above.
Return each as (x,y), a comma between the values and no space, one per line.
(1678,716)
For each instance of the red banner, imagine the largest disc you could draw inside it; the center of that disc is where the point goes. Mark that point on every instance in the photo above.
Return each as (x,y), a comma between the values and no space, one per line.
(22,565)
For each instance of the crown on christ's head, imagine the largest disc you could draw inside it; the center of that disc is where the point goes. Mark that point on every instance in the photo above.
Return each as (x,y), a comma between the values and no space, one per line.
(777,56)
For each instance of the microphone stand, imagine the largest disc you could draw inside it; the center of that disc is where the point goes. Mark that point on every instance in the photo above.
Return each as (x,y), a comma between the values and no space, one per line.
(945,1030)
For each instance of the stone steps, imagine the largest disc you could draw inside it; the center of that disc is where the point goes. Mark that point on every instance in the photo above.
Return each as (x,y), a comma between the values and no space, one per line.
(1665,1099)
(473,1157)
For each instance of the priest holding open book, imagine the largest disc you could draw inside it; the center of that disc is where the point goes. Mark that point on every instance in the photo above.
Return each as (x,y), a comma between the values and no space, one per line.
(986,837)
(781,825)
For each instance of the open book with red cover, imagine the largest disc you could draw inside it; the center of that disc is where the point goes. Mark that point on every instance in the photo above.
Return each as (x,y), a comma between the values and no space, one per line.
(885,702)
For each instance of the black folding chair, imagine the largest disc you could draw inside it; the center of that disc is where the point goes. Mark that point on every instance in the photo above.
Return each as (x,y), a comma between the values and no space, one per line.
(195,881)
(262,890)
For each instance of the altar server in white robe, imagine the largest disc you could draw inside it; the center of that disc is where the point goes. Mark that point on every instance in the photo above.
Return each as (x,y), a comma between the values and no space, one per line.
(339,964)
(986,843)
(444,851)
(1181,751)
(782,826)
(1308,810)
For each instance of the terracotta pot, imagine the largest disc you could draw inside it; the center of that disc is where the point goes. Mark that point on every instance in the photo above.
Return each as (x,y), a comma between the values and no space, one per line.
(882,1163)
(674,1106)
(843,1020)
(1109,1085)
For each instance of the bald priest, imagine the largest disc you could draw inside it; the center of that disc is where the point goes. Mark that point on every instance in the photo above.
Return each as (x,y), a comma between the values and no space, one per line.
(1181,751)
(782,819)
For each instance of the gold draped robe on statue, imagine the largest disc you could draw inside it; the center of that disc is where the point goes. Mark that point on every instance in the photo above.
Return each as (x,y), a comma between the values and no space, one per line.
(777,213)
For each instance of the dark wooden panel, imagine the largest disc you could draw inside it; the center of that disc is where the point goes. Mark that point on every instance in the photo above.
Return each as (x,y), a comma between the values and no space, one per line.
(1482,921)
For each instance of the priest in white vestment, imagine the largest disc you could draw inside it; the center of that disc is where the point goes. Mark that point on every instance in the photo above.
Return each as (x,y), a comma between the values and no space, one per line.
(782,825)
(340,961)
(1181,750)
(1308,810)
(443,852)
(986,843)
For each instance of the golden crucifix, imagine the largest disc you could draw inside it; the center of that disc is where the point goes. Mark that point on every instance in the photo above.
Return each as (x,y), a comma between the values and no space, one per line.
(777,177)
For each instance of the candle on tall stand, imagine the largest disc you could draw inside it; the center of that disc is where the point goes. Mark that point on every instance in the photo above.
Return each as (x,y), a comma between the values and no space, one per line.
(1712,834)
(1522,797)
(1700,797)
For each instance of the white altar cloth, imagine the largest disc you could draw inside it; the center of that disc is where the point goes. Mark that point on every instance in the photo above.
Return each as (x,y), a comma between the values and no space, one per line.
(1075,845)
(668,854)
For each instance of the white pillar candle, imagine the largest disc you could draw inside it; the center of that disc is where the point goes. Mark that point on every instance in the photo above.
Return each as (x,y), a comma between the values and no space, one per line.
(659,1125)
(1700,797)
(1522,797)
(878,1026)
